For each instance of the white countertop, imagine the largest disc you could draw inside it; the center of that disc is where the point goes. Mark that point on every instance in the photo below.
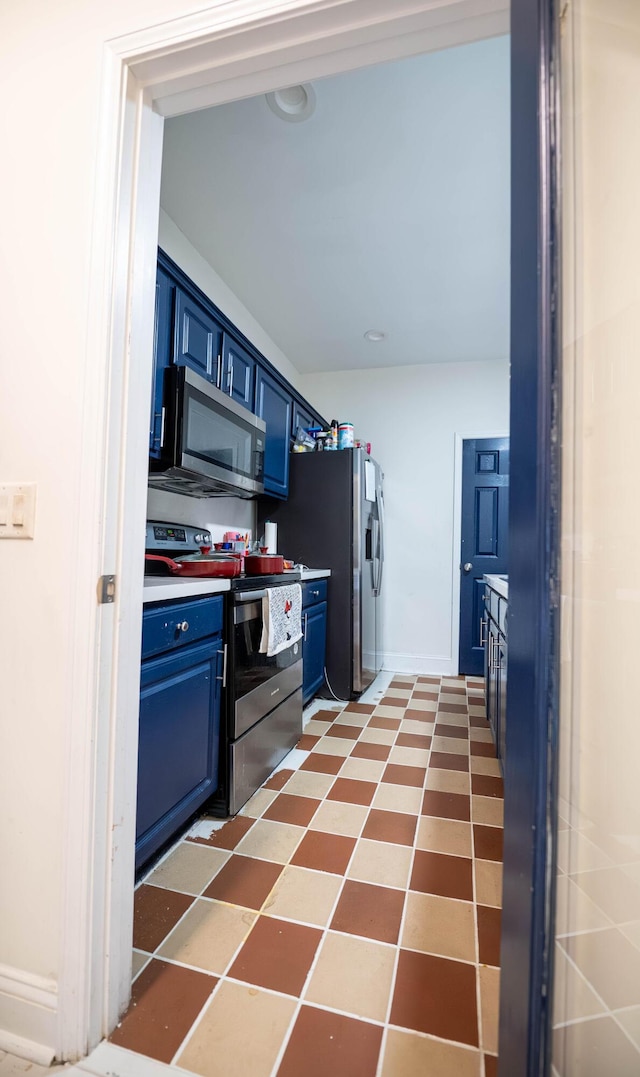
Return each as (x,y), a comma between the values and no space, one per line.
(497,583)
(163,588)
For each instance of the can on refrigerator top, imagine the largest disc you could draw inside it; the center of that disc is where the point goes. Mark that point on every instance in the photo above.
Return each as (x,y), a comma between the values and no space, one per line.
(345,436)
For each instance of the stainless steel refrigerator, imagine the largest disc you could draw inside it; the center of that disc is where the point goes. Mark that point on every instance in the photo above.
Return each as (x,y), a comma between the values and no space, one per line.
(334,518)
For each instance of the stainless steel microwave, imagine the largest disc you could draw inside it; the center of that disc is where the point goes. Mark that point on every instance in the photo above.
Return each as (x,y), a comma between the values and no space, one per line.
(210,446)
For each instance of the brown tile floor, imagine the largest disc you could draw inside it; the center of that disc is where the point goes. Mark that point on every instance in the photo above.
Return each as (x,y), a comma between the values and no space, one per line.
(348,921)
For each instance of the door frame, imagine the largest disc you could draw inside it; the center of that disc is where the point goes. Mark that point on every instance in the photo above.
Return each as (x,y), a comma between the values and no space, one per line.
(218,54)
(459,438)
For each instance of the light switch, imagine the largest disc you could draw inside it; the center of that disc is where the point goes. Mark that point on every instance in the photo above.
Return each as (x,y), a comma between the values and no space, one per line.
(17,510)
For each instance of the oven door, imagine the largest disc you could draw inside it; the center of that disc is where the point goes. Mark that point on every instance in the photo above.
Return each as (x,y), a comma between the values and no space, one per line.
(259,683)
(216,437)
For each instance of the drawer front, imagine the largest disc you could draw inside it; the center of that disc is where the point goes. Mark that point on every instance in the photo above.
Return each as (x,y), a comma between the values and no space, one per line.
(314,591)
(167,627)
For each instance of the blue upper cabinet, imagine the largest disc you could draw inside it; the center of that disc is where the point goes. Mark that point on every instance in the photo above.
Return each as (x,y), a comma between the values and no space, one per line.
(197,337)
(238,372)
(274,405)
(165,293)
(301,417)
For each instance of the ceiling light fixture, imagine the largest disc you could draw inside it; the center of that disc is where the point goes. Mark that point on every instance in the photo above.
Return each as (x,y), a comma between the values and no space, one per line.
(375,335)
(295,103)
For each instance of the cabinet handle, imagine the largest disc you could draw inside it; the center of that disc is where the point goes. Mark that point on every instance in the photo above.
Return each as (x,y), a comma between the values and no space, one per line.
(223,678)
(483,638)
(182,626)
(305,628)
(230,377)
(219,370)
(494,650)
(316,594)
(164,412)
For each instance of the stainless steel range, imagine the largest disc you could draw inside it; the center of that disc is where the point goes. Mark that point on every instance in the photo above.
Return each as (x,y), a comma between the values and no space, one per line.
(262,695)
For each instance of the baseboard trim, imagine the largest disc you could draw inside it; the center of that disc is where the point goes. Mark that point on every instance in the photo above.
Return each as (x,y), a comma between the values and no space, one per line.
(28,1015)
(420,664)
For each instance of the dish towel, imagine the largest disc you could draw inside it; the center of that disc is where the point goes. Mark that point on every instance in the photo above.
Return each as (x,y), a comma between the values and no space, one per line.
(281,618)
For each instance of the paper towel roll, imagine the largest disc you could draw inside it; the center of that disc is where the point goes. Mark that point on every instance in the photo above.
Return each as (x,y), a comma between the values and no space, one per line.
(271,537)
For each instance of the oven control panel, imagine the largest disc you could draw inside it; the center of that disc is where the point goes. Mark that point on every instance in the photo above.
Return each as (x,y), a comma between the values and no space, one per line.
(163,536)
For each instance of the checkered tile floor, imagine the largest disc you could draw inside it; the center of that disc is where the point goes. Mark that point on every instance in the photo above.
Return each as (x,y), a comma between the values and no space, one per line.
(347,922)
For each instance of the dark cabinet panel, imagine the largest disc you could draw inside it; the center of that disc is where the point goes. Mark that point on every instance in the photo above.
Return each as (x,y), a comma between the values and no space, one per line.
(314,645)
(274,405)
(238,376)
(197,337)
(165,294)
(496,669)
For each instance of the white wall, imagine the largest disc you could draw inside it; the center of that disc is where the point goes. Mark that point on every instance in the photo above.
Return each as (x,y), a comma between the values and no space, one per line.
(411,416)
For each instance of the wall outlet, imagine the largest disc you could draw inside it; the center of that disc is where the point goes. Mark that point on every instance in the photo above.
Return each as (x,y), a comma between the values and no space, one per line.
(17,510)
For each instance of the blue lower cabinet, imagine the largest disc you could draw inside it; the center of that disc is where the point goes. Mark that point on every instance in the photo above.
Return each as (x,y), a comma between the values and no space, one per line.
(274,405)
(178,740)
(314,620)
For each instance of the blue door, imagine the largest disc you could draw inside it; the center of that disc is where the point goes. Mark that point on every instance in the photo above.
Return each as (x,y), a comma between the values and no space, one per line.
(197,337)
(484,533)
(238,376)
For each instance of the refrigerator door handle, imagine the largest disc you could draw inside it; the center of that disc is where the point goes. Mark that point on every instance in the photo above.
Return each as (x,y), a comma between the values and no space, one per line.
(380,507)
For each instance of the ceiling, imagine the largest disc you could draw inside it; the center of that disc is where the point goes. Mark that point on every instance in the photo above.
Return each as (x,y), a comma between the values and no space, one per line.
(387,209)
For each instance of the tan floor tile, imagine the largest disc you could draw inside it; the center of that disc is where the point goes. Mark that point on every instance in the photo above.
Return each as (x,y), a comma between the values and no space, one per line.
(423,729)
(333,746)
(459,720)
(439,925)
(368,770)
(189,868)
(209,935)
(482,765)
(454,745)
(222,1044)
(448,781)
(351,718)
(450,697)
(399,693)
(304,895)
(388,712)
(410,757)
(259,802)
(408,1055)
(586,1044)
(305,783)
(423,705)
(630,1021)
(487,810)
(488,882)
(271,841)
(444,836)
(382,863)
(481,734)
(398,798)
(334,817)
(477,712)
(489,1007)
(379,736)
(353,975)
(609,962)
(317,729)
(138,962)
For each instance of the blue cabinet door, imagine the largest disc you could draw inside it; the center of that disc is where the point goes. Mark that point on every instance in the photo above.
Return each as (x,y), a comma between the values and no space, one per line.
(314,619)
(301,417)
(165,292)
(178,740)
(238,372)
(197,338)
(274,404)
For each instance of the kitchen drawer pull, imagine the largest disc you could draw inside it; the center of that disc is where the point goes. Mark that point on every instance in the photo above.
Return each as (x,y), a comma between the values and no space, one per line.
(223,678)
(182,626)
(305,627)
(483,638)
(315,594)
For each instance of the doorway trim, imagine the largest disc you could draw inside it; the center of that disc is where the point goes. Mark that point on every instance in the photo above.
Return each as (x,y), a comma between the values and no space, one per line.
(234,50)
(459,438)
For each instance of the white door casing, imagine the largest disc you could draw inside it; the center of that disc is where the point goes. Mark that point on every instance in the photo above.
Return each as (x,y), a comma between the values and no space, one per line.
(229,51)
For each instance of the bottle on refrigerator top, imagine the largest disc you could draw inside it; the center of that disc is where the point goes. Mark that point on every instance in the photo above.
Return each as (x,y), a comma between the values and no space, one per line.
(345,436)
(332,441)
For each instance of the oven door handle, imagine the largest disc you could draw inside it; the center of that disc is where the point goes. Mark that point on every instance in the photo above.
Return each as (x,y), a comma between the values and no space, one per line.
(249,596)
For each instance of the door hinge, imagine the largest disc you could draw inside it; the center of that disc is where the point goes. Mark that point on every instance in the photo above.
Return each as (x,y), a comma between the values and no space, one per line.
(106,589)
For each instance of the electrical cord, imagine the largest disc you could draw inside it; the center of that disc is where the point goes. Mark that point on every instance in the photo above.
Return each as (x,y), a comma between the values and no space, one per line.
(337,698)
